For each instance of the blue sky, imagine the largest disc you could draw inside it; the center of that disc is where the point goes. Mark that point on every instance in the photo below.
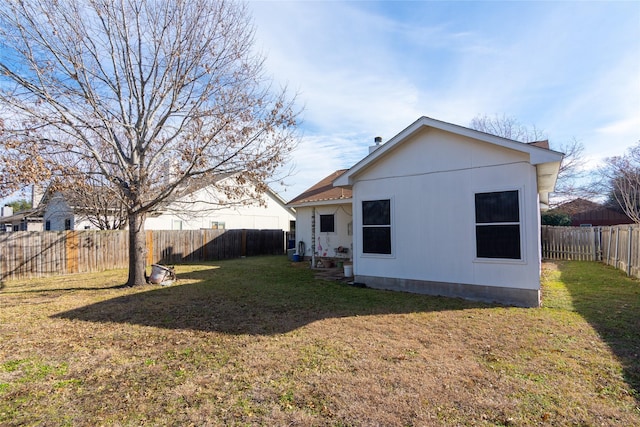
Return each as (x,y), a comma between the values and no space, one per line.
(365,69)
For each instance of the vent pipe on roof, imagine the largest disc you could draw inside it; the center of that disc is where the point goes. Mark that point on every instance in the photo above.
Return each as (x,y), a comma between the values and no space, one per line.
(378,142)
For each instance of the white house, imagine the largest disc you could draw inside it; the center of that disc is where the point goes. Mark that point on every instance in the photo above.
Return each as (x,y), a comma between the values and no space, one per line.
(194,212)
(324,221)
(204,208)
(446,210)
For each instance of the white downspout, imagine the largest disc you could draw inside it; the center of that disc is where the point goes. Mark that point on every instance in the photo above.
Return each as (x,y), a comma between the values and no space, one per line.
(313,237)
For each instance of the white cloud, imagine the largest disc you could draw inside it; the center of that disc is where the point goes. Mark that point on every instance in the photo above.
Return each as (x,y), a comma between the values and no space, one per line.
(621,127)
(366,69)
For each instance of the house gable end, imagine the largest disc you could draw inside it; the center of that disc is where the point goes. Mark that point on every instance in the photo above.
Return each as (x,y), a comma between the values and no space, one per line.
(536,153)
(430,151)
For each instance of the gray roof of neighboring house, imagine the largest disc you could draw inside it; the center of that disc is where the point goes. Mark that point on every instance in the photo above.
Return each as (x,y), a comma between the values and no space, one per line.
(30,214)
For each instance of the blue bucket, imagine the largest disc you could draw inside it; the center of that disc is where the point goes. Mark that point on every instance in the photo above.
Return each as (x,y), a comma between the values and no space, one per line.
(296,258)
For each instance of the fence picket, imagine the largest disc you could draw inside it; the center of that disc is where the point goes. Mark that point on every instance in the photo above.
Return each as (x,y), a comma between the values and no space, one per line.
(618,245)
(27,254)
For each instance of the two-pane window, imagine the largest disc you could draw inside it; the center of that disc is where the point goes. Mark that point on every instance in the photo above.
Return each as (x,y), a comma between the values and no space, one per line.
(217,225)
(376,226)
(498,225)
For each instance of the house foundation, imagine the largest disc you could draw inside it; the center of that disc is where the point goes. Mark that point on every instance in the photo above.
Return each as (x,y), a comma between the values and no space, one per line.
(490,294)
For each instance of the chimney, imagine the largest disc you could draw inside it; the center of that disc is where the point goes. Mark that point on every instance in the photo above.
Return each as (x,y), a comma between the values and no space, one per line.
(37,191)
(6,211)
(378,142)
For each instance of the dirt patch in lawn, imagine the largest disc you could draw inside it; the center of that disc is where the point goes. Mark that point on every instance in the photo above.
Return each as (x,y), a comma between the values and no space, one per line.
(260,341)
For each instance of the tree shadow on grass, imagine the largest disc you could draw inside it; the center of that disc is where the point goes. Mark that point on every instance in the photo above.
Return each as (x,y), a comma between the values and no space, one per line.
(610,302)
(63,289)
(257,300)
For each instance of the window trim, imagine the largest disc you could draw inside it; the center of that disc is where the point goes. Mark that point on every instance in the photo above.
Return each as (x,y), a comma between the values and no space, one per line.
(217,225)
(320,215)
(391,226)
(521,221)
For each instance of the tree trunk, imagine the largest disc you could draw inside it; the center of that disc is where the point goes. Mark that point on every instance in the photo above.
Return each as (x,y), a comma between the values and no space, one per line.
(137,249)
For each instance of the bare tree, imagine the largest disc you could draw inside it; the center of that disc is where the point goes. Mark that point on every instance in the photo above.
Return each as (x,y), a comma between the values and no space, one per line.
(507,127)
(572,175)
(95,201)
(622,176)
(156,97)
(572,171)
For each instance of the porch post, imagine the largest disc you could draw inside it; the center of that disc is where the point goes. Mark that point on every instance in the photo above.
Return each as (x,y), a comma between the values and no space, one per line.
(313,237)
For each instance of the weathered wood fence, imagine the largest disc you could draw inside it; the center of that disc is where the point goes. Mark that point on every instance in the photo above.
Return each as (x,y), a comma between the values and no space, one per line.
(617,245)
(28,254)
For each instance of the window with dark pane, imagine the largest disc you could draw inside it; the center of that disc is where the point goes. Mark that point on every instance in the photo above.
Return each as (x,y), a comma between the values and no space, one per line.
(376,212)
(498,225)
(500,206)
(376,226)
(327,223)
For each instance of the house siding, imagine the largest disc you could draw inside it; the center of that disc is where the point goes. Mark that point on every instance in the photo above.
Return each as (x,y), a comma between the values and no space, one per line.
(191,215)
(197,214)
(56,212)
(431,180)
(329,241)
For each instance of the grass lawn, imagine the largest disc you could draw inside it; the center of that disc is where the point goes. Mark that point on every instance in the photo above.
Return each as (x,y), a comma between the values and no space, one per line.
(259,341)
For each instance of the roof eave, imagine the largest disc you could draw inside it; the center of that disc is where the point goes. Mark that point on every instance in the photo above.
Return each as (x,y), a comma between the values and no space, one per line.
(312,203)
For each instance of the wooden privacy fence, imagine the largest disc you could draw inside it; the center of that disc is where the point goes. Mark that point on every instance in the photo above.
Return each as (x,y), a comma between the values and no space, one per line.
(618,245)
(28,254)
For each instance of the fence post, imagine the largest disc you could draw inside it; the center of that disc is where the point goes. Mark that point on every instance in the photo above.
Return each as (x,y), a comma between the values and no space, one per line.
(243,251)
(629,252)
(72,251)
(615,260)
(609,246)
(149,241)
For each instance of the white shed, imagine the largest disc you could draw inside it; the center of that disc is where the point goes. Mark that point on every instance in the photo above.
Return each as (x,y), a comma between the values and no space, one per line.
(446,210)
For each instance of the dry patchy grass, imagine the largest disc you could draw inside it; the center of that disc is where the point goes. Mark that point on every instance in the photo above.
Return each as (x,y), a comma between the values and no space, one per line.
(259,341)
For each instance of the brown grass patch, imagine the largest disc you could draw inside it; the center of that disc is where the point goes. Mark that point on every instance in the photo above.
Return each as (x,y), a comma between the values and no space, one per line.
(260,342)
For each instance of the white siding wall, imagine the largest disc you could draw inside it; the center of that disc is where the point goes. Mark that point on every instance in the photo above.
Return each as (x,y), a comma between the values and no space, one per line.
(35,226)
(200,215)
(79,223)
(57,212)
(192,216)
(303,229)
(431,181)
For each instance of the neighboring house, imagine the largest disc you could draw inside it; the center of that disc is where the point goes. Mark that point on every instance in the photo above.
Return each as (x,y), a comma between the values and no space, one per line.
(324,221)
(446,210)
(60,214)
(191,212)
(585,213)
(26,220)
